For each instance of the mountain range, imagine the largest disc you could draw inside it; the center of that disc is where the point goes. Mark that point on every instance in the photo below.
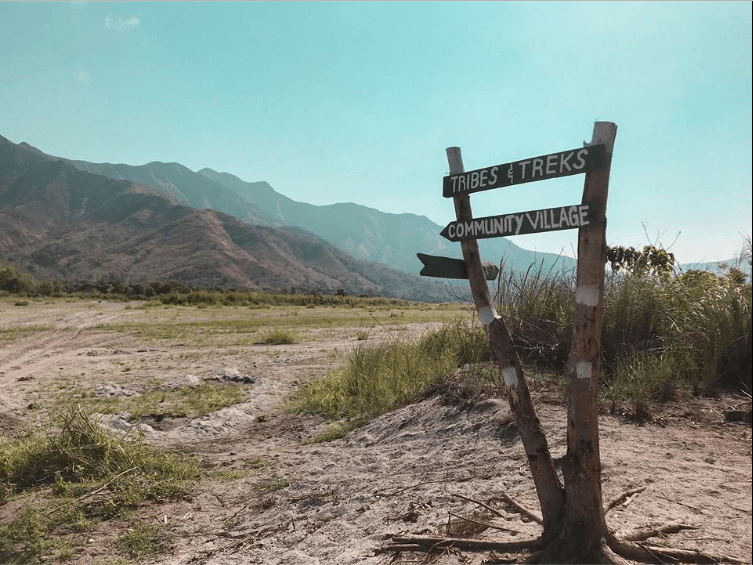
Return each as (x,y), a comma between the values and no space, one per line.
(60,222)
(64,219)
(364,233)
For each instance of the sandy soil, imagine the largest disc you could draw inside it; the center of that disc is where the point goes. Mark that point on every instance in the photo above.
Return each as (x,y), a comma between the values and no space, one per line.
(339,502)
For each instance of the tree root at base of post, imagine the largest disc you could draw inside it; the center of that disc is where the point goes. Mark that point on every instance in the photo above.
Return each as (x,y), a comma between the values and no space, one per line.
(653,554)
(611,551)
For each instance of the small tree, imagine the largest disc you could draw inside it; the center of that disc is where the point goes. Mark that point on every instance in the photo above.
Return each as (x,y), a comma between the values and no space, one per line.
(652,260)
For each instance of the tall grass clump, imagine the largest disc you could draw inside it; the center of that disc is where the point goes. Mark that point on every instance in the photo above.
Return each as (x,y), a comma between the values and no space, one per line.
(377,378)
(661,331)
(80,451)
(708,325)
(73,463)
(631,324)
(539,307)
(692,332)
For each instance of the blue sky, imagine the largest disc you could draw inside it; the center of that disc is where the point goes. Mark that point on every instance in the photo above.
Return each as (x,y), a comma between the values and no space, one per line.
(357,102)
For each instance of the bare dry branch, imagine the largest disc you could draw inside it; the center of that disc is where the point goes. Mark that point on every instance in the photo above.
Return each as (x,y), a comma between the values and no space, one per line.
(520,508)
(628,493)
(489,508)
(653,554)
(473,544)
(482,523)
(653,532)
(93,492)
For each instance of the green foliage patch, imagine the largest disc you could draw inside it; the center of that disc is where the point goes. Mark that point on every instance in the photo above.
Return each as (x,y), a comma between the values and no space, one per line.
(277,337)
(20,332)
(145,539)
(181,402)
(377,378)
(661,332)
(92,475)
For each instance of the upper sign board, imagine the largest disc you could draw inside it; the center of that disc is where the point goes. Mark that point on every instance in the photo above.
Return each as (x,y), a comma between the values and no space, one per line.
(562,164)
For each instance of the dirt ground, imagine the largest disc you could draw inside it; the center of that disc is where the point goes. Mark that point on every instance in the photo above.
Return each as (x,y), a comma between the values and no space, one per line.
(278,502)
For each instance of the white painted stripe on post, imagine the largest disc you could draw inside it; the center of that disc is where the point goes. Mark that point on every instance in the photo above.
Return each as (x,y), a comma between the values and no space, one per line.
(587,295)
(487,315)
(510,375)
(583,369)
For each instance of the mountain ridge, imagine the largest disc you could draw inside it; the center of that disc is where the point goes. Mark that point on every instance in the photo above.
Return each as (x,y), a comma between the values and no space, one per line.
(362,232)
(368,233)
(59,222)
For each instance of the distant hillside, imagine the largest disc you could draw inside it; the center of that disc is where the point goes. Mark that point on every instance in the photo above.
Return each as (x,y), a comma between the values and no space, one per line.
(366,233)
(714,266)
(62,223)
(182,184)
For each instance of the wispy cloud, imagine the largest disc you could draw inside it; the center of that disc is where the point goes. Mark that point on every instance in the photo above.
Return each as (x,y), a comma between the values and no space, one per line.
(117,22)
(83,77)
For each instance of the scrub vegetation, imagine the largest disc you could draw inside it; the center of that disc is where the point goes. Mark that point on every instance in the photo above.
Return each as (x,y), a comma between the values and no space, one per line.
(377,378)
(664,334)
(88,474)
(158,403)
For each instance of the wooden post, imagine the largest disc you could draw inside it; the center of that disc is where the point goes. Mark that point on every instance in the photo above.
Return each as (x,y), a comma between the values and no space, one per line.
(581,467)
(548,488)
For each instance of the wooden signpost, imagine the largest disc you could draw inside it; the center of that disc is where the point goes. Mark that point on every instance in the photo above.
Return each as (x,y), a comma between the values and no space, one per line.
(572,514)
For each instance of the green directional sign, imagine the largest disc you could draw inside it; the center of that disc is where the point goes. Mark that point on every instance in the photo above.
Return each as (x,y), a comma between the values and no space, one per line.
(447,268)
(519,223)
(562,164)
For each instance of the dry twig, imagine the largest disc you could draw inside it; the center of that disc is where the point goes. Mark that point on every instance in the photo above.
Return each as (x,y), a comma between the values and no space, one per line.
(520,508)
(641,535)
(482,523)
(402,490)
(489,508)
(462,543)
(627,494)
(93,492)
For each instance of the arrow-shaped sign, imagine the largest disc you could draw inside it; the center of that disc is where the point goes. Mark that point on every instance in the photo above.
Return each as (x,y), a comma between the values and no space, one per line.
(562,164)
(447,268)
(519,223)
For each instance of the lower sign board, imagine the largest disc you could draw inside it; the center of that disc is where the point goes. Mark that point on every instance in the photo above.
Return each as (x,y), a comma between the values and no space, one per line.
(534,221)
(447,268)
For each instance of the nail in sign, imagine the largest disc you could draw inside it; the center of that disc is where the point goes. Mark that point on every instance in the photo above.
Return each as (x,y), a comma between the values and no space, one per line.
(562,164)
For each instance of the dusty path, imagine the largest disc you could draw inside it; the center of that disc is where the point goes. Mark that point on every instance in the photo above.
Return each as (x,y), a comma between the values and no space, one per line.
(270,500)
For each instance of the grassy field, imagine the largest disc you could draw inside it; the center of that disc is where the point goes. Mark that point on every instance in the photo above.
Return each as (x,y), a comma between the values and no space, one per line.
(55,352)
(345,358)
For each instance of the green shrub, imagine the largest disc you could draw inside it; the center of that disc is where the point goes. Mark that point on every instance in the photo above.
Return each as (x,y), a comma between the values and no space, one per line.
(277,337)
(362,335)
(377,378)
(144,540)
(75,461)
